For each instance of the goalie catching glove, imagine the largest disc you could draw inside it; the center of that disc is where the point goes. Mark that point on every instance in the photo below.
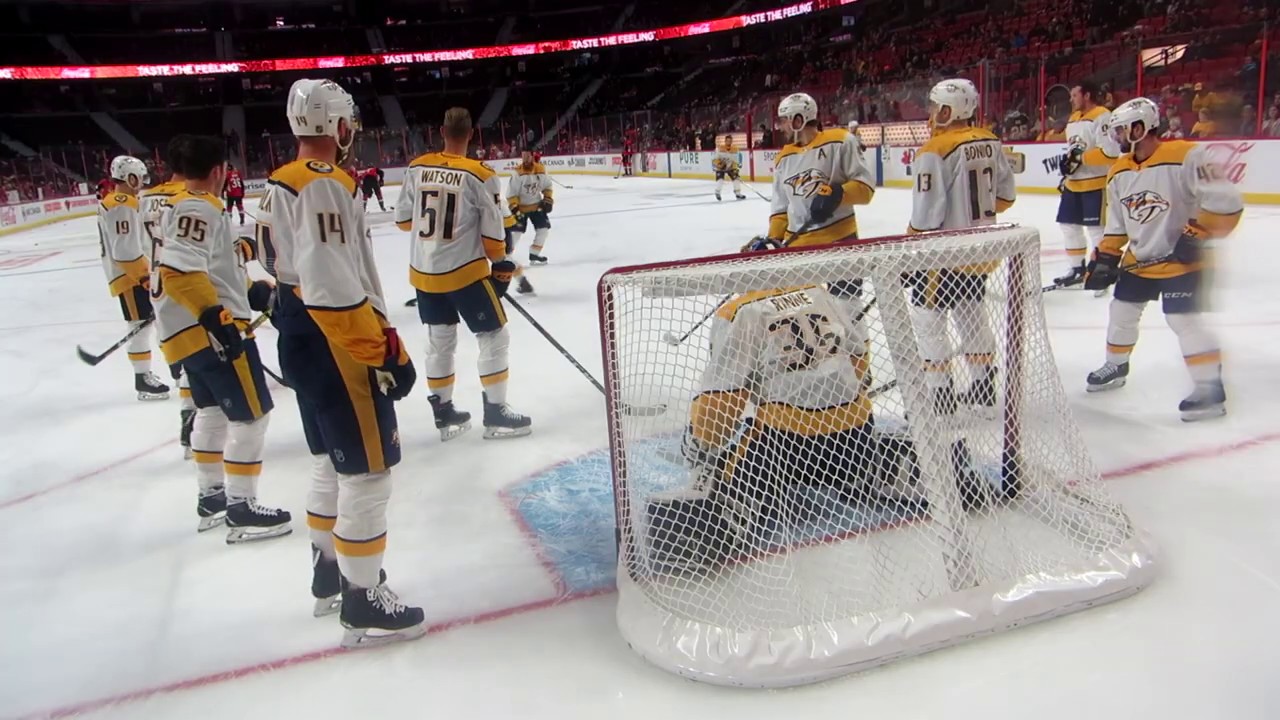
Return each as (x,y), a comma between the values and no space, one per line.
(1102,272)
(224,336)
(396,375)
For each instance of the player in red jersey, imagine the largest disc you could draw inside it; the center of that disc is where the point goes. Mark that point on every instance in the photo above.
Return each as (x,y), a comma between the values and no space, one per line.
(233,189)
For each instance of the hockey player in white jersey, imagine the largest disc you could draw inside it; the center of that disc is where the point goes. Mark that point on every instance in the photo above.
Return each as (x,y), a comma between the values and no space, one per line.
(1165,200)
(458,264)
(203,300)
(531,198)
(818,179)
(1090,153)
(124,260)
(796,357)
(962,180)
(343,359)
(726,165)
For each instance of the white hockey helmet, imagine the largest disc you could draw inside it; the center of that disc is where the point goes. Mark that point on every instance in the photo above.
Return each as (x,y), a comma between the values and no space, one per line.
(797,110)
(958,94)
(321,108)
(1133,120)
(130,171)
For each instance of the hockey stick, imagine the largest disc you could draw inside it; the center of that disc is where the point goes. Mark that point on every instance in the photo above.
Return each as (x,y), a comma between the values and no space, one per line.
(92,360)
(1123,268)
(627,409)
(757,192)
(563,185)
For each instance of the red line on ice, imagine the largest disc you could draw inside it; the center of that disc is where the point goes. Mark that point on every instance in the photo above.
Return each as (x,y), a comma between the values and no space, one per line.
(559,599)
(4,504)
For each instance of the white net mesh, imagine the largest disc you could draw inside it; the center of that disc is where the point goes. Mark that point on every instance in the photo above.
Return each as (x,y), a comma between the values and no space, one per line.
(863,454)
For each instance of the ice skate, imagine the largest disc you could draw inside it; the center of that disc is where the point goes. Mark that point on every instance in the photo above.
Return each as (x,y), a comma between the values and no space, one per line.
(149,386)
(535,259)
(1074,277)
(1108,377)
(740,196)
(982,393)
(188,416)
(523,286)
(247,521)
(326,583)
(376,616)
(450,421)
(501,422)
(1207,401)
(718,198)
(212,509)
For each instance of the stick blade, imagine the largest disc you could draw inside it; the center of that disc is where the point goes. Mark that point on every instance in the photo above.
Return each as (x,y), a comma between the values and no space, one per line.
(88,359)
(643,410)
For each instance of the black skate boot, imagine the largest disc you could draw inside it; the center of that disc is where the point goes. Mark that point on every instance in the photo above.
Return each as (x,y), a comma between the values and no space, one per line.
(450,421)
(1208,400)
(718,198)
(212,509)
(326,583)
(1108,377)
(1075,277)
(188,416)
(375,616)
(501,422)
(535,259)
(982,392)
(740,196)
(149,386)
(974,493)
(944,400)
(523,286)
(247,521)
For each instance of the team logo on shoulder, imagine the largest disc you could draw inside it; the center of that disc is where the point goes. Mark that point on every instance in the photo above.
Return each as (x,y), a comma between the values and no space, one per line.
(1144,206)
(320,167)
(122,198)
(805,183)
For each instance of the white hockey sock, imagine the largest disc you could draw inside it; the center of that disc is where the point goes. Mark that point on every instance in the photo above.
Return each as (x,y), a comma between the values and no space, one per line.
(1075,242)
(360,534)
(322,504)
(243,458)
(931,329)
(515,240)
(208,436)
(976,339)
(184,392)
(1200,348)
(493,363)
(719,185)
(140,349)
(442,345)
(737,186)
(539,240)
(1122,330)
(1093,233)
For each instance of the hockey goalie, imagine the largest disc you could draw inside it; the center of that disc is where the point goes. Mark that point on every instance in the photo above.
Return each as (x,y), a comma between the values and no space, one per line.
(782,418)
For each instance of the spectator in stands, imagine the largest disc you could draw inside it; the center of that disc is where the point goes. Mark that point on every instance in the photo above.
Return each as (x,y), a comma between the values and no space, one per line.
(766,136)
(1205,127)
(1174,132)
(1108,97)
(1271,126)
(1205,99)
(1248,125)
(1057,131)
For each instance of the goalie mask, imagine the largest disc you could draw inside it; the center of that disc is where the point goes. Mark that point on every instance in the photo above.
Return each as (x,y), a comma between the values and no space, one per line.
(321,108)
(796,111)
(129,170)
(1133,121)
(959,96)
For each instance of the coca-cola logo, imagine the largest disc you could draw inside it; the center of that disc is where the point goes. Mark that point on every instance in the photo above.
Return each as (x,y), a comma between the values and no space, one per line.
(1230,159)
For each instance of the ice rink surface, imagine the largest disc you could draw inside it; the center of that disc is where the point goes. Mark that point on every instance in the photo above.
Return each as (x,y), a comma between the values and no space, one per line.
(114,607)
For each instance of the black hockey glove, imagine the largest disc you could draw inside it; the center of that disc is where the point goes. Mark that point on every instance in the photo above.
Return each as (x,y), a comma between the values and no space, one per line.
(826,200)
(760,243)
(224,336)
(260,295)
(547,204)
(1071,161)
(1102,272)
(500,275)
(396,376)
(1188,248)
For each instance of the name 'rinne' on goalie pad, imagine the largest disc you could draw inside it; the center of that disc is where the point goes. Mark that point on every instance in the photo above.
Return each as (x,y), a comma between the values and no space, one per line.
(805,508)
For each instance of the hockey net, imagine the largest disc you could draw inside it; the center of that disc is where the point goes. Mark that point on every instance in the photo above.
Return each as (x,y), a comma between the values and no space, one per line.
(865,454)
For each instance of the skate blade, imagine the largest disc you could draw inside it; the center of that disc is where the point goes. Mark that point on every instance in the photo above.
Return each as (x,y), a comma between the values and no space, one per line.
(208,523)
(327,606)
(148,396)
(1206,414)
(359,638)
(453,431)
(241,535)
(505,433)
(1113,385)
